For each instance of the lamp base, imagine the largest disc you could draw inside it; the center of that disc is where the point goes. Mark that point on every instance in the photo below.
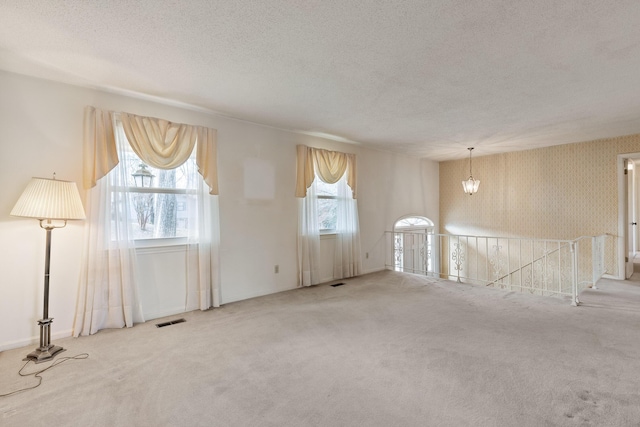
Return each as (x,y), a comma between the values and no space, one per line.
(46,351)
(44,354)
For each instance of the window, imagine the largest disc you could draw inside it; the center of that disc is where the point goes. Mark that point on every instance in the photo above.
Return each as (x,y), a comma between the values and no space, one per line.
(327,205)
(415,222)
(329,198)
(163,207)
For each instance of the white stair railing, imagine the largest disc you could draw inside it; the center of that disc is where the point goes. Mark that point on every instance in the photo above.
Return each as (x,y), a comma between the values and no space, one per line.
(541,267)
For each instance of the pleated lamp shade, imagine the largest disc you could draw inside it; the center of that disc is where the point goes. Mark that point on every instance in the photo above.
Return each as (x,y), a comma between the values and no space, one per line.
(49,199)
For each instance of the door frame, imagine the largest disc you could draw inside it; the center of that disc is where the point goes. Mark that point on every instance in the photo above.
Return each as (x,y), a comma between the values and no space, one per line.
(625,263)
(414,228)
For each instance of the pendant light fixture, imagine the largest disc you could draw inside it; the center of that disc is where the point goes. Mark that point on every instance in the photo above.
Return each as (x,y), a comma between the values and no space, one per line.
(470,185)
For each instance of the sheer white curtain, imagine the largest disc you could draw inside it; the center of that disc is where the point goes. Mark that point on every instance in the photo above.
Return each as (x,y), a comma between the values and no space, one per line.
(347,261)
(107,296)
(202,256)
(332,167)
(308,238)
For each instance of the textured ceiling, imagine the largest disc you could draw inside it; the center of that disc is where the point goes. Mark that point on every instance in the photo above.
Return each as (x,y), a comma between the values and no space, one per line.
(427,78)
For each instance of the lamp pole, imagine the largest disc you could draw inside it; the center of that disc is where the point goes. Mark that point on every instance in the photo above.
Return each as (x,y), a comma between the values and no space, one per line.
(46,350)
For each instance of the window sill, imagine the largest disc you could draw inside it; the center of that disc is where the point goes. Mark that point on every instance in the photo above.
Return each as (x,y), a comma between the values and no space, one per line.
(326,236)
(160,243)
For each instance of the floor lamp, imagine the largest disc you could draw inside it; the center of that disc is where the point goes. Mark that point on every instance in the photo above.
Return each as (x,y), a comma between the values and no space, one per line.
(52,202)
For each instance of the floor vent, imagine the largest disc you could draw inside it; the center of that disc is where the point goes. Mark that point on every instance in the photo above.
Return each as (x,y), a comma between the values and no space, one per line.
(337,284)
(171,322)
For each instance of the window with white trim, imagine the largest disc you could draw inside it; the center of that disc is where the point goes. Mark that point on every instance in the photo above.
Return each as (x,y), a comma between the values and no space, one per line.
(165,209)
(327,195)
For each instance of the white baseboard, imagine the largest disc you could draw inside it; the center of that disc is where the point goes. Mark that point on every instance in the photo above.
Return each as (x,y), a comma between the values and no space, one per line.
(241,297)
(164,313)
(373,270)
(35,340)
(327,280)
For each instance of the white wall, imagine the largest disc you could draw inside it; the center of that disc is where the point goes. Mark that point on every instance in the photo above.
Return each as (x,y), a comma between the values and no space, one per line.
(41,131)
(162,280)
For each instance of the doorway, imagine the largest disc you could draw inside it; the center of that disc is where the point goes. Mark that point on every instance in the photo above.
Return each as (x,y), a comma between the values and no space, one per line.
(413,245)
(628,210)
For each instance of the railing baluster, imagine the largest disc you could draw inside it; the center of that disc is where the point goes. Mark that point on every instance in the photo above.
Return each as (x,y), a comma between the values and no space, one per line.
(469,268)
(486,260)
(520,266)
(544,270)
(596,268)
(532,257)
(560,270)
(458,263)
(574,274)
(477,255)
(509,261)
(577,249)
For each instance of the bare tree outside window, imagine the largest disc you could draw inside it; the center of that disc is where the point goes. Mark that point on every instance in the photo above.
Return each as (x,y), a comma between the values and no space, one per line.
(163,210)
(143,205)
(327,205)
(166,206)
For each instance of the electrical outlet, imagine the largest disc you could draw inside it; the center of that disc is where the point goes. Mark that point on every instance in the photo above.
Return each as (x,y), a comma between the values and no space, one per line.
(276,269)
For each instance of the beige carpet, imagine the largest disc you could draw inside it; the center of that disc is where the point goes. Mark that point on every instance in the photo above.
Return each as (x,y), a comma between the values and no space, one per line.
(386,349)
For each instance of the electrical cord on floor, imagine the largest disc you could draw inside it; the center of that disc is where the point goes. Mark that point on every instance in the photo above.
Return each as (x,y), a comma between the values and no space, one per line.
(36,374)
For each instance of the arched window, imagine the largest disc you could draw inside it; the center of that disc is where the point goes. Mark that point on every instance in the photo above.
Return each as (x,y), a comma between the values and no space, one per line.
(413,245)
(413,222)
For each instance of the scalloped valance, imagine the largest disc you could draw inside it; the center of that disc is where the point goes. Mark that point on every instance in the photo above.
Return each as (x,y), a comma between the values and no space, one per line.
(159,143)
(330,166)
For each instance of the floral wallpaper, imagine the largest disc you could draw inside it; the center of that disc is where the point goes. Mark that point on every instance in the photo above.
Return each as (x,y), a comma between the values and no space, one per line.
(559,192)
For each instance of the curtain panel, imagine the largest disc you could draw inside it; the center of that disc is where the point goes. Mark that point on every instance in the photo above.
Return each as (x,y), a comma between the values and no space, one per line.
(308,243)
(99,150)
(347,261)
(107,292)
